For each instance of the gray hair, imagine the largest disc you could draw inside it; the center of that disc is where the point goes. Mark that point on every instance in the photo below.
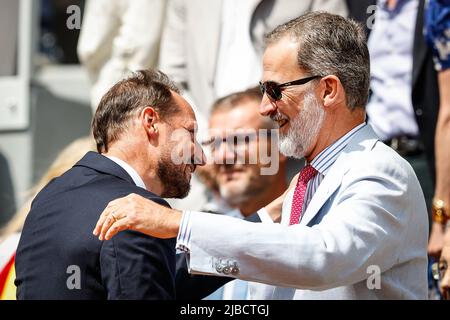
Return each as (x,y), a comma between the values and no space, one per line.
(330,44)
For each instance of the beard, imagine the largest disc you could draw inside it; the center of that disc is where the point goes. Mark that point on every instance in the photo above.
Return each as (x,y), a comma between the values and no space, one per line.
(303,129)
(173,179)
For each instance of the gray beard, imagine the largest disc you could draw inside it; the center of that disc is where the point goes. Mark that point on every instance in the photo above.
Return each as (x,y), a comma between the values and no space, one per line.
(303,129)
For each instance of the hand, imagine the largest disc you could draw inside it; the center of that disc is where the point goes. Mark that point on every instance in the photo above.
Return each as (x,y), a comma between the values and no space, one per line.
(134,212)
(436,241)
(276,206)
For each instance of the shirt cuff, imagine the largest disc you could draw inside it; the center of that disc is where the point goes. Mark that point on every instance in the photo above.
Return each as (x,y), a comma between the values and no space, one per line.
(264,215)
(184,235)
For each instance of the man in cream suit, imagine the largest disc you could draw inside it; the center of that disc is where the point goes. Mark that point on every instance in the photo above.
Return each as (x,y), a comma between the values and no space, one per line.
(354,225)
(205,43)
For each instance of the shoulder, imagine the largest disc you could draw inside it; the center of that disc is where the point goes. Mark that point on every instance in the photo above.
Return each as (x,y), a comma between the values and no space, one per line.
(380,163)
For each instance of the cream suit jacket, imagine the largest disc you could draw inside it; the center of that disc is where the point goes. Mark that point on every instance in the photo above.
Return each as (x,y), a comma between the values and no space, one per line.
(363,236)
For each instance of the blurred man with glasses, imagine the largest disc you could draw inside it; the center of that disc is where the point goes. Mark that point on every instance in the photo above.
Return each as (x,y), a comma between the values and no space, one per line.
(243,160)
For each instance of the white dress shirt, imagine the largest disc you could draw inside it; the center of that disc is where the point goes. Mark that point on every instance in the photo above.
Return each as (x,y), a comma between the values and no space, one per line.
(129,169)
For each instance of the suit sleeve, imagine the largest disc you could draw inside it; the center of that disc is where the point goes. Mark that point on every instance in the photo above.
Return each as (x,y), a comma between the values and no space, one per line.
(189,286)
(378,219)
(136,266)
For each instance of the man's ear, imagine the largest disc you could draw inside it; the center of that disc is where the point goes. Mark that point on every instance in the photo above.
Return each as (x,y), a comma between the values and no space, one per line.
(149,119)
(331,91)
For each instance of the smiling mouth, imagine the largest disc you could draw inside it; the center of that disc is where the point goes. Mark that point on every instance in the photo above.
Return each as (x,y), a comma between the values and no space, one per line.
(280,119)
(282,123)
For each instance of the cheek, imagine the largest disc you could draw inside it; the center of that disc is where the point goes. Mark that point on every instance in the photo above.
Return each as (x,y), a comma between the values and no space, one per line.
(289,108)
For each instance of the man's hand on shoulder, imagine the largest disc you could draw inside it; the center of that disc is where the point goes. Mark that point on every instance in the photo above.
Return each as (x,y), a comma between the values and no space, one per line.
(135,212)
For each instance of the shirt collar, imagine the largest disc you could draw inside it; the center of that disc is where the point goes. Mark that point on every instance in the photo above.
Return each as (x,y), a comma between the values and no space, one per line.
(323,161)
(129,169)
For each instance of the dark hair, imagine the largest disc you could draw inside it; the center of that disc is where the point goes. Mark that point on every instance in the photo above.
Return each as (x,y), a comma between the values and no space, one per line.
(331,44)
(128,97)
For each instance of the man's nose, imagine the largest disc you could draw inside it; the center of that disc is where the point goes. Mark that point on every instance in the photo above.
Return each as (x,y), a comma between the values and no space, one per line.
(225,154)
(266,107)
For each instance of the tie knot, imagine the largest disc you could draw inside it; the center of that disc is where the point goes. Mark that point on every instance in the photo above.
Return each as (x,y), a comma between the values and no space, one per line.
(307,173)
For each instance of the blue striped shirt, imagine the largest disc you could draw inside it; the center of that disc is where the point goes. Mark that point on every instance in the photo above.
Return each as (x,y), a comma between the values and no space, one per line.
(322,163)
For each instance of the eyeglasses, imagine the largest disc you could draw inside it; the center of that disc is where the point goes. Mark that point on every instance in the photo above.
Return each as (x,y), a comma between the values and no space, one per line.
(274,89)
(438,270)
(235,140)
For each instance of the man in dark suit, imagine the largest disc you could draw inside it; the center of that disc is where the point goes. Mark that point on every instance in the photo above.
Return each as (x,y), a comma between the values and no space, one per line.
(141,125)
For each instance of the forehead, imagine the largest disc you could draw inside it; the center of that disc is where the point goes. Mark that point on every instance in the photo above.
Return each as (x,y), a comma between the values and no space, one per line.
(245,115)
(186,116)
(280,60)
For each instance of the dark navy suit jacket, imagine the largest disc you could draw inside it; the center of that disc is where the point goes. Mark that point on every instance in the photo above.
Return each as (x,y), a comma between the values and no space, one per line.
(57,242)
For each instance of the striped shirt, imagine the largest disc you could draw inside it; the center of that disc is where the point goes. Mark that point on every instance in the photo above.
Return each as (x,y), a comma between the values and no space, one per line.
(322,163)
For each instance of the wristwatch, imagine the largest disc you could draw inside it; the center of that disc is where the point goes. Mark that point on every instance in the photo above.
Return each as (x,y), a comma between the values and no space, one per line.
(439,211)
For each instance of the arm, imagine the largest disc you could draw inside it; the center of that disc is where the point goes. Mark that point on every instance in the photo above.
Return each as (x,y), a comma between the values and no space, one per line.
(197,286)
(366,227)
(442,152)
(363,229)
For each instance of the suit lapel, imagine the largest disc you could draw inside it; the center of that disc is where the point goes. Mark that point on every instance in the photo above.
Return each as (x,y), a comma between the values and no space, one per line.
(364,140)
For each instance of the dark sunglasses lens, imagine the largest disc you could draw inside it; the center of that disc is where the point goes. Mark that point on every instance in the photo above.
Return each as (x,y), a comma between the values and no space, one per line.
(272,90)
(262,88)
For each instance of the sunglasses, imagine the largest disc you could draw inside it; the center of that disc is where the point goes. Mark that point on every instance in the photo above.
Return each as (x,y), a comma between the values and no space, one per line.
(273,89)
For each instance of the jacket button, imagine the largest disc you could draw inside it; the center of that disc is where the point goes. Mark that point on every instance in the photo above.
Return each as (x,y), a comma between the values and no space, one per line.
(419,112)
(234,269)
(227,270)
(219,267)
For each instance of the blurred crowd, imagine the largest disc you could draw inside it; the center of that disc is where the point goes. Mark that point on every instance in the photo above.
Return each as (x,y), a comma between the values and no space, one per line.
(213,50)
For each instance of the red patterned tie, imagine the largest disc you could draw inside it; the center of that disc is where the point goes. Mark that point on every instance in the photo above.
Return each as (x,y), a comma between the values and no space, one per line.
(307,173)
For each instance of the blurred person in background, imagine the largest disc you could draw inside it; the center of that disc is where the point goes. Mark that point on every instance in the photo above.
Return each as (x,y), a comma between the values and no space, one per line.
(238,134)
(236,125)
(118,37)
(438,36)
(10,234)
(404,102)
